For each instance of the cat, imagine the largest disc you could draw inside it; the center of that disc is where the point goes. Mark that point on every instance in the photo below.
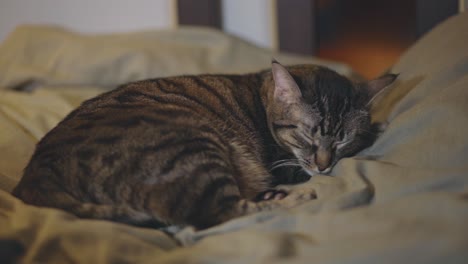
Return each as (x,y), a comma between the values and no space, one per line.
(199,150)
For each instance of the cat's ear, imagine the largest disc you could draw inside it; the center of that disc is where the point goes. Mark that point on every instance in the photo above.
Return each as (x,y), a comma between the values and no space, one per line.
(377,86)
(286,89)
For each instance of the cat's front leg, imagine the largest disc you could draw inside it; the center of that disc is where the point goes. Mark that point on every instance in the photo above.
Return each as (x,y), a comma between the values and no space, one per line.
(292,199)
(290,195)
(284,180)
(271,194)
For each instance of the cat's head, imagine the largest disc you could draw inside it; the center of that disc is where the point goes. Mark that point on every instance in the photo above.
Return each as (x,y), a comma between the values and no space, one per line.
(320,116)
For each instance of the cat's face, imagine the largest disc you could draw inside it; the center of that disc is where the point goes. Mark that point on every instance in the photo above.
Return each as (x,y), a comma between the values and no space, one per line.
(320,116)
(319,142)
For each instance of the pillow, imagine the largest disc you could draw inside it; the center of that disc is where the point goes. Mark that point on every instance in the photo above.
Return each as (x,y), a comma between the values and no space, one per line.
(57,56)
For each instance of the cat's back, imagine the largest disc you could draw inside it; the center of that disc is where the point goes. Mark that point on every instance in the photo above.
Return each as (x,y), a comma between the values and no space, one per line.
(180,100)
(115,132)
(202,96)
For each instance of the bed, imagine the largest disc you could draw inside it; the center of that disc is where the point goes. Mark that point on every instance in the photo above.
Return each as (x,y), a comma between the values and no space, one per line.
(403,200)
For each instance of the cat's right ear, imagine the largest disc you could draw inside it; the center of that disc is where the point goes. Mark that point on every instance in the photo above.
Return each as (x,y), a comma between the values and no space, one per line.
(286,89)
(377,86)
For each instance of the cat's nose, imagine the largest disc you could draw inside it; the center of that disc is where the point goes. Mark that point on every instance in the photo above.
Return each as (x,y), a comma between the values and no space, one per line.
(323,159)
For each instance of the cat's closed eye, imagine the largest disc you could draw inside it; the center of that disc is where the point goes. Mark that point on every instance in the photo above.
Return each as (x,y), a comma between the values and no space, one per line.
(341,144)
(341,135)
(284,124)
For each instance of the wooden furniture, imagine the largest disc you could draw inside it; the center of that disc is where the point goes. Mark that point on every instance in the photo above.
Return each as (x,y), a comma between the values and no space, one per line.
(298,21)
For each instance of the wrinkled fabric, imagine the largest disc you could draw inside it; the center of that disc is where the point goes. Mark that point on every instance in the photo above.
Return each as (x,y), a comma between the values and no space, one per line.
(57,56)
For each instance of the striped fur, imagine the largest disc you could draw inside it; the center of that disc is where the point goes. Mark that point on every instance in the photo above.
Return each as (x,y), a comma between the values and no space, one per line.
(194,150)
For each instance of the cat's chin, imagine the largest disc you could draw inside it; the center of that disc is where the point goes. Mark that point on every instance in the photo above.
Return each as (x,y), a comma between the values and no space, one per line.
(312,172)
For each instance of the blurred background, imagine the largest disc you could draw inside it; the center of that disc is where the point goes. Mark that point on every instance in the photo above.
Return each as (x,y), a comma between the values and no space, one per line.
(368,35)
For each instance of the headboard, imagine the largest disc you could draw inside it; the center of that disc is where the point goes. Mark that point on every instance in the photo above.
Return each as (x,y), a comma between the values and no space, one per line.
(295,21)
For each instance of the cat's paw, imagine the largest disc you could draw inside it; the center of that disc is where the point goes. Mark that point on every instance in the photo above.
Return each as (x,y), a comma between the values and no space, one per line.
(273,194)
(296,197)
(287,196)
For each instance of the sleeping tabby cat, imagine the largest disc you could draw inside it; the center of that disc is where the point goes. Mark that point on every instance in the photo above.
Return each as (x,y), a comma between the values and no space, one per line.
(198,150)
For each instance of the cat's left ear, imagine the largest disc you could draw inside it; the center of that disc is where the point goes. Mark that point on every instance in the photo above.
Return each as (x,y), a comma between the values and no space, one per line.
(377,86)
(286,89)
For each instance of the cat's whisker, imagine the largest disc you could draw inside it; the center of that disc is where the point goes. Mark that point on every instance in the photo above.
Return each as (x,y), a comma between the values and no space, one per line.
(284,160)
(367,130)
(285,165)
(304,161)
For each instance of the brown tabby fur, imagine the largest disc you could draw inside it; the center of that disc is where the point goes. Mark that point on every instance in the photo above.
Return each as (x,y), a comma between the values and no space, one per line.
(196,150)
